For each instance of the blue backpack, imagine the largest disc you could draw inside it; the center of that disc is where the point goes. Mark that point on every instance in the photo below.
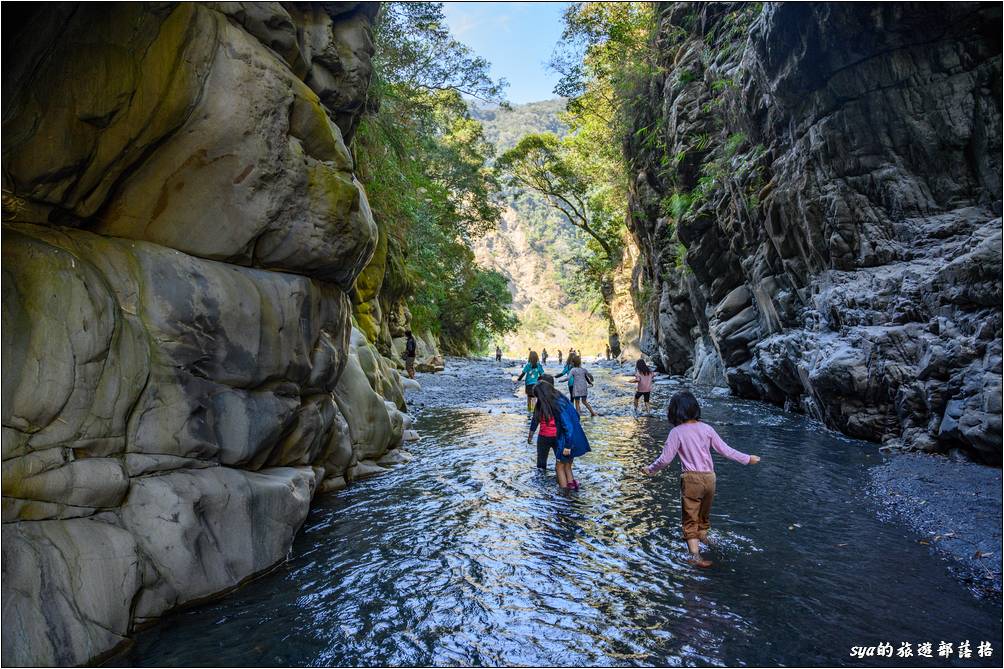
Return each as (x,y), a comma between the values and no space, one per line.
(570,434)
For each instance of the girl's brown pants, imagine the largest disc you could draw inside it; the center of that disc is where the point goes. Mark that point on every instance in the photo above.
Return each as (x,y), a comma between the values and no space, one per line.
(697,491)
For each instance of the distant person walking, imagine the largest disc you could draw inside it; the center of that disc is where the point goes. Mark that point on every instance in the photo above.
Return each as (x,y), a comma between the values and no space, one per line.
(559,356)
(543,356)
(410,351)
(568,368)
(532,371)
(580,379)
(608,351)
(693,440)
(498,354)
(643,376)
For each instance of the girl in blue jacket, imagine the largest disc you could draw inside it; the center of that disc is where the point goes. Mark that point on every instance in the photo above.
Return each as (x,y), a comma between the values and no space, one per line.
(571,440)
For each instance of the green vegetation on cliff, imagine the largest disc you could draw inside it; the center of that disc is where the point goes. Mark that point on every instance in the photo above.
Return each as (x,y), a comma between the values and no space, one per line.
(424,161)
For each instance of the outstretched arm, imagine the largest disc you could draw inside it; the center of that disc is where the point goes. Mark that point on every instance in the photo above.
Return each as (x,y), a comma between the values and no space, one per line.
(731,453)
(533,428)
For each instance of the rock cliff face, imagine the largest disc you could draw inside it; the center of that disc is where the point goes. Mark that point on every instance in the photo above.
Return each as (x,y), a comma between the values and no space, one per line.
(818,200)
(182,230)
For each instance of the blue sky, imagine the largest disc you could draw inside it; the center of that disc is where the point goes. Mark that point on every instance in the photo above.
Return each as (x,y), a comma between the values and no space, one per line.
(517,38)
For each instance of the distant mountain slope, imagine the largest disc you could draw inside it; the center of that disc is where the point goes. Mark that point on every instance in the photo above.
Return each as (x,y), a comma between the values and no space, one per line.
(531,247)
(505,127)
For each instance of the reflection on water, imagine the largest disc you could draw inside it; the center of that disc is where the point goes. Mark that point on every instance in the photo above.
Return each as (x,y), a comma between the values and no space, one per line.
(469,555)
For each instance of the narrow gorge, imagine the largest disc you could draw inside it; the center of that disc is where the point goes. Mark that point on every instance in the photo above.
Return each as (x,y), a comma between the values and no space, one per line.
(221,220)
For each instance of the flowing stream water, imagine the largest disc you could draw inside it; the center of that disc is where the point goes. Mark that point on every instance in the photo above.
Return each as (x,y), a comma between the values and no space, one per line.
(468,555)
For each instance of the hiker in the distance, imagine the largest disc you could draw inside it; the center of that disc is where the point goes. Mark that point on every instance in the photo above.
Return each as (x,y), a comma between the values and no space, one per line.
(580,380)
(498,354)
(410,350)
(543,356)
(559,356)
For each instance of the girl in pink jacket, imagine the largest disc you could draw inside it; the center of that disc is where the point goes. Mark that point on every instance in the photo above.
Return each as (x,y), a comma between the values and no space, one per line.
(693,441)
(643,376)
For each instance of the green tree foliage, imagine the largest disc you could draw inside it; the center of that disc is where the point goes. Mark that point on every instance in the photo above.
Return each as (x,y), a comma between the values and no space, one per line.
(425,163)
(550,167)
(604,61)
(544,164)
(415,51)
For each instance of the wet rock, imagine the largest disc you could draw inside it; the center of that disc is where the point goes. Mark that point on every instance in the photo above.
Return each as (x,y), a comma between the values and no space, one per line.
(837,244)
(206,530)
(75,581)
(395,457)
(364,469)
(182,230)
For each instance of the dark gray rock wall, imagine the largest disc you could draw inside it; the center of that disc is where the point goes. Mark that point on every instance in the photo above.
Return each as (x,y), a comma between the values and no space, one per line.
(818,194)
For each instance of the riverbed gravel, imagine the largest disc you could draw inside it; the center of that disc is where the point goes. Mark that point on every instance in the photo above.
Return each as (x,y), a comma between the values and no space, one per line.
(954,507)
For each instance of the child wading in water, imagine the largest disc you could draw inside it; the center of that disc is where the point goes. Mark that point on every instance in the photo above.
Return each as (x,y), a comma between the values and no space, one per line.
(545,416)
(693,440)
(532,370)
(555,414)
(579,381)
(643,376)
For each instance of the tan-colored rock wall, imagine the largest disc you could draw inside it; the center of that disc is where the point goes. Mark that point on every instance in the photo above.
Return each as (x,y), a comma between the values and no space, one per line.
(182,227)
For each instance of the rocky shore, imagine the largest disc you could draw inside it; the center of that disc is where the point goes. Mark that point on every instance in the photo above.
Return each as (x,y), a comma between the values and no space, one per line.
(955,507)
(810,234)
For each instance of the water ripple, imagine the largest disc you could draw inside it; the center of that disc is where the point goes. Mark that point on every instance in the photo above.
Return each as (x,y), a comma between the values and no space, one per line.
(469,556)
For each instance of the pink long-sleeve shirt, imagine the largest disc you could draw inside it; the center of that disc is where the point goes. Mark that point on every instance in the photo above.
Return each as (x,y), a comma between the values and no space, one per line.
(693,442)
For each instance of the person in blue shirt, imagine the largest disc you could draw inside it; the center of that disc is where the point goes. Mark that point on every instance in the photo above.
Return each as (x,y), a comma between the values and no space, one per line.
(568,368)
(532,371)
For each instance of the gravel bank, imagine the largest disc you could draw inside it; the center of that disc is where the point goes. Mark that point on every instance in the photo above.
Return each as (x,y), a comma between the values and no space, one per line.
(954,505)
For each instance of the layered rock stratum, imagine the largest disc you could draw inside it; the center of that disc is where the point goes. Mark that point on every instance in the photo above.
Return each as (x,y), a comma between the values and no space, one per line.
(182,230)
(817,195)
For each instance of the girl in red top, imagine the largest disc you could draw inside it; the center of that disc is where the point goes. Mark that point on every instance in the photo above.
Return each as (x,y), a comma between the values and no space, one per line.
(544,417)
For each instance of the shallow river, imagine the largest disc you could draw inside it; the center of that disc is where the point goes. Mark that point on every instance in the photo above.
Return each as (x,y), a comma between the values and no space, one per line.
(468,555)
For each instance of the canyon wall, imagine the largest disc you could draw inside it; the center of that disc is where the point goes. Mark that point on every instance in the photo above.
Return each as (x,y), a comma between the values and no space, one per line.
(182,233)
(817,197)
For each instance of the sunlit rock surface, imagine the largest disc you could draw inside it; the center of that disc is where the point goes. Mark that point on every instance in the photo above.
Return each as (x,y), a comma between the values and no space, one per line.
(182,230)
(817,192)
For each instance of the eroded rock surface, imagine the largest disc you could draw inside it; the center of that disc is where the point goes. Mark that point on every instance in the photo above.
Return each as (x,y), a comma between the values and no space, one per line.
(818,197)
(182,232)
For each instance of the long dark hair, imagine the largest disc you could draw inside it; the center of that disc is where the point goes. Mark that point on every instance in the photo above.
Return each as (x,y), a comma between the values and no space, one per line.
(683,406)
(575,359)
(642,367)
(533,359)
(547,399)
